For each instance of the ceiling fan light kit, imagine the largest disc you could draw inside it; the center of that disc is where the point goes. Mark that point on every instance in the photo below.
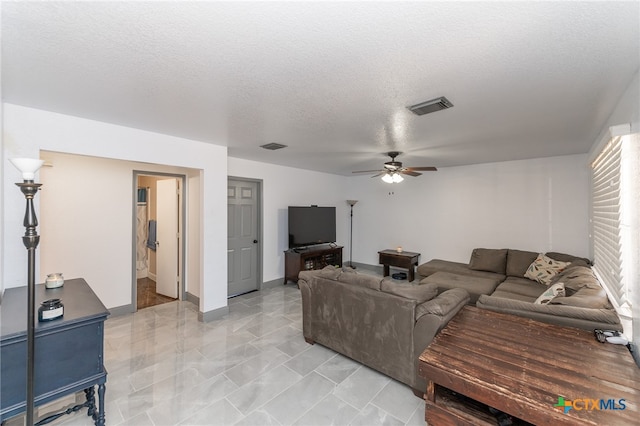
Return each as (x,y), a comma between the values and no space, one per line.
(392,171)
(392,178)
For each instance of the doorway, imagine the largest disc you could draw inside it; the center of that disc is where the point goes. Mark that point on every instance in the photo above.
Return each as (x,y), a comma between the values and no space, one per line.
(244,235)
(159,246)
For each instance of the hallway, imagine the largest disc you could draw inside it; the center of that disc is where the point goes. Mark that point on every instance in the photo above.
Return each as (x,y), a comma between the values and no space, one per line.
(147,295)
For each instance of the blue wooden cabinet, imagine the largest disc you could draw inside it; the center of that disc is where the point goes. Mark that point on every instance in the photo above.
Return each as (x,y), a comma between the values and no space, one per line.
(69,351)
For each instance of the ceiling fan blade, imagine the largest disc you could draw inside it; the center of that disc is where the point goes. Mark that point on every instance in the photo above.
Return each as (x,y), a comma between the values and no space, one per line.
(378,174)
(409,172)
(369,171)
(423,169)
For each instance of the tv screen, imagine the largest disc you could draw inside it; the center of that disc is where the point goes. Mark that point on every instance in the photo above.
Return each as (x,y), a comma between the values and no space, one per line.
(311,225)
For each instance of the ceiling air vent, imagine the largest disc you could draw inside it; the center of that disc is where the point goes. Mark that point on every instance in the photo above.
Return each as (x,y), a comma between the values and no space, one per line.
(431,106)
(273,146)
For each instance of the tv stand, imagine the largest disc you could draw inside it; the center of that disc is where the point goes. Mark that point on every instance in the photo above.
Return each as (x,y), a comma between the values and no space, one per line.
(311,258)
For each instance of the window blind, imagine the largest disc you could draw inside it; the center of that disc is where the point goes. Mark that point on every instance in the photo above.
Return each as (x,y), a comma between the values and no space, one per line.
(606,209)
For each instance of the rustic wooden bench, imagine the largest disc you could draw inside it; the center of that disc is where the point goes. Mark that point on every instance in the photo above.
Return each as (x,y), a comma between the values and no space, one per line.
(536,372)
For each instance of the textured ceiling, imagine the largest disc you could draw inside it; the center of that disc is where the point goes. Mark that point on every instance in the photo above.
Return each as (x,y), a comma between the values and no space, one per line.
(332,80)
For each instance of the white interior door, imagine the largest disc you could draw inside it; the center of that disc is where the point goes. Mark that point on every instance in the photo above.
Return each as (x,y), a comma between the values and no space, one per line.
(167,237)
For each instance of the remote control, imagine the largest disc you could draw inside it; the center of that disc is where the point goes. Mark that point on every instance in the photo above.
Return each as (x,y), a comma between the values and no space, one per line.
(617,340)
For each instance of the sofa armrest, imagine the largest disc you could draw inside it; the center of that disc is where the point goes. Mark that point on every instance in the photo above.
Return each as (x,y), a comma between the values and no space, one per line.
(445,305)
(305,293)
(431,317)
(570,316)
(328,272)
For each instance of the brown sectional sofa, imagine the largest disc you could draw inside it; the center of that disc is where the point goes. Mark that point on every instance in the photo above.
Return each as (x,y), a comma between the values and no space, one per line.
(383,324)
(495,280)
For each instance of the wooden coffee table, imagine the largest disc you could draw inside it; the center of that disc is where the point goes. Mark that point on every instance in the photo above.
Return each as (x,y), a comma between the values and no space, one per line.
(540,373)
(403,259)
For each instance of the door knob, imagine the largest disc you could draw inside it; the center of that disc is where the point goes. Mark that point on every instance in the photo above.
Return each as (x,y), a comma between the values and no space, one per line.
(255,241)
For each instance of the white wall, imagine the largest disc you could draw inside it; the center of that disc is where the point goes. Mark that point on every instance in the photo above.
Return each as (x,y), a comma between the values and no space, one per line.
(2,174)
(86,227)
(286,186)
(28,131)
(537,205)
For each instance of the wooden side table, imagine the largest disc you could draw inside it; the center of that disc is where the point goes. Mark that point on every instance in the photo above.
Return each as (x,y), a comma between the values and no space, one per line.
(405,259)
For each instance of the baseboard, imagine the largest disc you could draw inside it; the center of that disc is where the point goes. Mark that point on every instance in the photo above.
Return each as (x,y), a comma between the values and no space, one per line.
(272,284)
(122,310)
(193,299)
(357,265)
(152,276)
(213,315)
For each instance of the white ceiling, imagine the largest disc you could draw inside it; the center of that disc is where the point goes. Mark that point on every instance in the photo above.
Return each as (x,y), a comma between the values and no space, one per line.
(332,80)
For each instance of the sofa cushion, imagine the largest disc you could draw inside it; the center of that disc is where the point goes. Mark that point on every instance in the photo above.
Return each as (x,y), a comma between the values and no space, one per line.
(518,261)
(490,260)
(522,286)
(475,286)
(543,269)
(576,278)
(511,296)
(420,293)
(585,298)
(556,290)
(362,280)
(569,316)
(439,265)
(563,257)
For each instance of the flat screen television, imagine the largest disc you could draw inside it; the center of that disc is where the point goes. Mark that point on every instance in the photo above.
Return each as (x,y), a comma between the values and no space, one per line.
(311,225)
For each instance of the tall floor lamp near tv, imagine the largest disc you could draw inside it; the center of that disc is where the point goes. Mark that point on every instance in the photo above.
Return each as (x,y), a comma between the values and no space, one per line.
(351,203)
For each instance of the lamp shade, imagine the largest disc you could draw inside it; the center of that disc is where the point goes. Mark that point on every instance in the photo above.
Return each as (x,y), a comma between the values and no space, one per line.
(28,166)
(392,177)
(397,178)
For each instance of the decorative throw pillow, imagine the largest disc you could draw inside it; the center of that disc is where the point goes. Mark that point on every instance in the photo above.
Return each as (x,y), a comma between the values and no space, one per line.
(556,290)
(543,269)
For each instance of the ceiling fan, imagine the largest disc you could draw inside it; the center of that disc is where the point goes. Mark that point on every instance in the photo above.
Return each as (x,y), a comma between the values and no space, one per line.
(392,171)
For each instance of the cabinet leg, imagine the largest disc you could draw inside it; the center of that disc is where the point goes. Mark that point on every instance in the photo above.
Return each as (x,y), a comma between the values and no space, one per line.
(91,401)
(385,271)
(99,421)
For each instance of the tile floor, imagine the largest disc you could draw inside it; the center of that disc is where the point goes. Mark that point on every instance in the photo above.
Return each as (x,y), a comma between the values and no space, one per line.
(251,367)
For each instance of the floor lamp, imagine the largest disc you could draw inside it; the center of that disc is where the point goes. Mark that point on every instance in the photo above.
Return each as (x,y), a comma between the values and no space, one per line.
(28,167)
(351,203)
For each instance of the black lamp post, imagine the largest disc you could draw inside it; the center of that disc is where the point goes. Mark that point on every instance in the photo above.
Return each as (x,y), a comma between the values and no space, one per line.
(28,167)
(351,203)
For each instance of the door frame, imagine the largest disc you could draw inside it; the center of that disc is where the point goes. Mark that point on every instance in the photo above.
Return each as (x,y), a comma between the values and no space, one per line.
(182,213)
(259,225)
